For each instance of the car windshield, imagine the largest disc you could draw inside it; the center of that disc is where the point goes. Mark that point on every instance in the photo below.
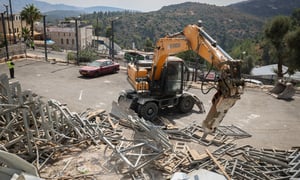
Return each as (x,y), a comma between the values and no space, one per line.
(94,64)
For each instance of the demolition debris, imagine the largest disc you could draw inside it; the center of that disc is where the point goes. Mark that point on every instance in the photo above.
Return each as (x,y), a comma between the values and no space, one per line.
(43,133)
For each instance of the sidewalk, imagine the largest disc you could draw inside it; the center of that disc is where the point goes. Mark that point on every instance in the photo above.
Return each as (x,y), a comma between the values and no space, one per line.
(52,56)
(61,57)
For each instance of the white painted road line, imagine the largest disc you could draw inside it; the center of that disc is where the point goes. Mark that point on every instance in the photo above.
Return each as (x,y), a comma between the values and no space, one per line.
(80,95)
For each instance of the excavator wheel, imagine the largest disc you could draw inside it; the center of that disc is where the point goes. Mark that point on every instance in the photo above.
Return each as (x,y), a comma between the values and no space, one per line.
(186,103)
(149,111)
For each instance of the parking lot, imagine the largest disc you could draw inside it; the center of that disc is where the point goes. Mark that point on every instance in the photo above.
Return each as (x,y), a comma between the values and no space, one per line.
(272,123)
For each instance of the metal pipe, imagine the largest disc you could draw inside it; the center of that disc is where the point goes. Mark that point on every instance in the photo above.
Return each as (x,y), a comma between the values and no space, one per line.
(208,37)
(225,53)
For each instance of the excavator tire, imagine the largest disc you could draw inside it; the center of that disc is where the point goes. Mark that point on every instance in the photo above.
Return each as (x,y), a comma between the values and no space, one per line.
(149,111)
(186,103)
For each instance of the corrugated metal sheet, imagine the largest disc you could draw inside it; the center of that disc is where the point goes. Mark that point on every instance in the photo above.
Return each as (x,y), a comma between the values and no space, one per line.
(270,71)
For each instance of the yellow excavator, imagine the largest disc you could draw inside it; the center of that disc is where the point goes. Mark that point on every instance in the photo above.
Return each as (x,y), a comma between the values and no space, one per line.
(161,85)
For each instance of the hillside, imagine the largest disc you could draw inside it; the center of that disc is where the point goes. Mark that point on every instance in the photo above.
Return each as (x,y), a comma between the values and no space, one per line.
(54,16)
(267,8)
(228,25)
(18,5)
(222,23)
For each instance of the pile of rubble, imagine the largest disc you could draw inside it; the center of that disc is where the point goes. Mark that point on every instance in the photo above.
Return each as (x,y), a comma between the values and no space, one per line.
(51,137)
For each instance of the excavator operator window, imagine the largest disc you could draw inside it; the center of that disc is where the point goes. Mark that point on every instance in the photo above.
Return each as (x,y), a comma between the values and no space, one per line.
(174,77)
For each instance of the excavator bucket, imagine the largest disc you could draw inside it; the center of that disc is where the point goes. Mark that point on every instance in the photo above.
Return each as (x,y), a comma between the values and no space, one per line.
(121,110)
(283,90)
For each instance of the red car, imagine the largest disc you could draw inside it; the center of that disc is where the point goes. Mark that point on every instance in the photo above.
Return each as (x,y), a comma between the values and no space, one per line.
(99,67)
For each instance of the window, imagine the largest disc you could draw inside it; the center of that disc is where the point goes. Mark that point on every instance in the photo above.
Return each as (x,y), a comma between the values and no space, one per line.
(108,63)
(174,75)
(73,42)
(62,41)
(95,64)
(67,41)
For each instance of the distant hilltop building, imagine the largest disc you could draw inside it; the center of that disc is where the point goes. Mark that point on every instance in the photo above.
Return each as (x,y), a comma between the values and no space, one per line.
(64,35)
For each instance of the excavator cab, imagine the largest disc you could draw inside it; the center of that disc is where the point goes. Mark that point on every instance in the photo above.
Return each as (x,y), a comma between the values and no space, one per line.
(172,76)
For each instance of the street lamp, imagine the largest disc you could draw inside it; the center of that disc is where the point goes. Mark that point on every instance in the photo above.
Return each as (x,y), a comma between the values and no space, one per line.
(4,34)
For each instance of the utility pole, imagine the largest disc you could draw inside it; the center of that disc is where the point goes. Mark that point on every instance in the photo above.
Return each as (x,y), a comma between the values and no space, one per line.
(12,21)
(112,41)
(97,33)
(9,30)
(4,34)
(77,45)
(45,38)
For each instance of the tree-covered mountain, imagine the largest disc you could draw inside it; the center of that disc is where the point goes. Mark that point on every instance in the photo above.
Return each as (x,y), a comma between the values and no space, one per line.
(53,17)
(267,8)
(223,23)
(18,5)
(228,25)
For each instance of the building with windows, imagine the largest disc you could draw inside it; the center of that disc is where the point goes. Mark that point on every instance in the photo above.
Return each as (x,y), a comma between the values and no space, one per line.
(17,29)
(64,35)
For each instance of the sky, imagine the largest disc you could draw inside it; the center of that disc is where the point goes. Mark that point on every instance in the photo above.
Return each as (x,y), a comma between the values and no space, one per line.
(140,5)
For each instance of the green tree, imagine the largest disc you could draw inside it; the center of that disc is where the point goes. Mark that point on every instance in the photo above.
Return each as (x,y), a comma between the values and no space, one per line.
(25,33)
(148,45)
(247,64)
(108,32)
(188,56)
(275,31)
(97,30)
(296,17)
(31,14)
(293,40)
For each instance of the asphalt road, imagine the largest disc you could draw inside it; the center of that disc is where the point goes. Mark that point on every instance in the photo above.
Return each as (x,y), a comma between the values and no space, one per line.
(64,83)
(272,123)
